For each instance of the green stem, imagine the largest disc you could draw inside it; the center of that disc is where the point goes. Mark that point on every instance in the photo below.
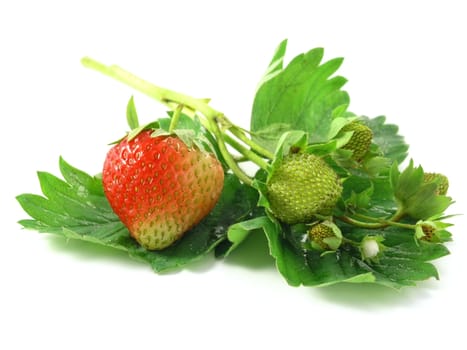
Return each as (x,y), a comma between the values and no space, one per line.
(229,159)
(246,152)
(354,222)
(349,241)
(400,224)
(377,222)
(241,159)
(264,152)
(399,214)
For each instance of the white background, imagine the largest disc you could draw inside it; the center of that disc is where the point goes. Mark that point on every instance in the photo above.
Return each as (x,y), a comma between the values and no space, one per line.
(406,60)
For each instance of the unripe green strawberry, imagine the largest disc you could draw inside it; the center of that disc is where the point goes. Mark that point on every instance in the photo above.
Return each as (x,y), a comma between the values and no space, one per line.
(159,187)
(432,231)
(360,140)
(325,236)
(428,232)
(441,180)
(302,186)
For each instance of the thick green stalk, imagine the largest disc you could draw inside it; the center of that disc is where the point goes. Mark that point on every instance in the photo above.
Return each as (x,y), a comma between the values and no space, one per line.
(367,225)
(163,95)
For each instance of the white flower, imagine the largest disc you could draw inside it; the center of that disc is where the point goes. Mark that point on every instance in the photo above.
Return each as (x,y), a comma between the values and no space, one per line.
(370,248)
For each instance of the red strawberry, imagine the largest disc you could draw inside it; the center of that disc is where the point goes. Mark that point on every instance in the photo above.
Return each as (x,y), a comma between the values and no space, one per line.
(159,187)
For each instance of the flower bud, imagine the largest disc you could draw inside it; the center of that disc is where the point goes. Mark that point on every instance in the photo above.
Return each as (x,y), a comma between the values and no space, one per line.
(371,248)
(325,236)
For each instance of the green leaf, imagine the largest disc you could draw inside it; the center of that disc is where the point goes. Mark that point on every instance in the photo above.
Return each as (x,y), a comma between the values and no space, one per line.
(84,183)
(294,139)
(238,232)
(76,208)
(371,196)
(387,138)
(268,135)
(303,96)
(276,63)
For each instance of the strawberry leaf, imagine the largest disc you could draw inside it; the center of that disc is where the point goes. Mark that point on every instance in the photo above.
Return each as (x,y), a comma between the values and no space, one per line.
(303,96)
(276,64)
(76,208)
(387,138)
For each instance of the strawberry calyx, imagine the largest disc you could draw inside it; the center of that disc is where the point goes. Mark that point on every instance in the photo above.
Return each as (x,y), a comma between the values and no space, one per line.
(190,131)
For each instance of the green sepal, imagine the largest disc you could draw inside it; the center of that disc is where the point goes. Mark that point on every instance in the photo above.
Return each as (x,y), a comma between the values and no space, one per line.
(290,142)
(131,114)
(191,132)
(132,134)
(133,123)
(341,118)
(417,199)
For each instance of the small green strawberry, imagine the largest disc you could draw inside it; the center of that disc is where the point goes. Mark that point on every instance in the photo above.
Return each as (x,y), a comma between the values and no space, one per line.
(325,236)
(301,187)
(426,231)
(434,231)
(360,140)
(159,187)
(441,180)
